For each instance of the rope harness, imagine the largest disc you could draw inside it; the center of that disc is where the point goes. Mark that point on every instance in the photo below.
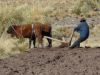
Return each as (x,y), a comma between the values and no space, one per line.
(22,31)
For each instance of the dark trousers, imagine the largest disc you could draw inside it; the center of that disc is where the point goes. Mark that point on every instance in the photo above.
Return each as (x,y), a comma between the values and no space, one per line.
(77,42)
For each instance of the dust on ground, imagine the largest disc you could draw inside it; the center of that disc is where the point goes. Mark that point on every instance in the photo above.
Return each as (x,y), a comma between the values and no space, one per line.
(53,61)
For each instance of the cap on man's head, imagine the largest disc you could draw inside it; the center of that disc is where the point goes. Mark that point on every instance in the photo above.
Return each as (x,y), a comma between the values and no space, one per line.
(82,20)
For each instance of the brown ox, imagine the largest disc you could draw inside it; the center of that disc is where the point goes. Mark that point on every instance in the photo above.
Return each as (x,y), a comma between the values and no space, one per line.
(31,31)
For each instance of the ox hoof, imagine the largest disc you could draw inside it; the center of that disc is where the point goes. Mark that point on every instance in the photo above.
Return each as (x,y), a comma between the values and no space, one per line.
(48,46)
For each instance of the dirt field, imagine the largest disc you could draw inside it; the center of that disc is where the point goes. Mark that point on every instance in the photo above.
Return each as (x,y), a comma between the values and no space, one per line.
(53,61)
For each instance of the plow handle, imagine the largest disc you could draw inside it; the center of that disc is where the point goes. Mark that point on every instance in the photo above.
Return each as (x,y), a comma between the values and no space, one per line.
(71,38)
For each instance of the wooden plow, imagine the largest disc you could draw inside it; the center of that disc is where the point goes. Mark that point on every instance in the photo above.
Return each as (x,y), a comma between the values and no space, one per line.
(63,42)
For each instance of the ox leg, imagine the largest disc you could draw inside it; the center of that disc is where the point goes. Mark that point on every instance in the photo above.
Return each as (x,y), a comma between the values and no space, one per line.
(40,40)
(34,41)
(49,41)
(30,42)
(39,37)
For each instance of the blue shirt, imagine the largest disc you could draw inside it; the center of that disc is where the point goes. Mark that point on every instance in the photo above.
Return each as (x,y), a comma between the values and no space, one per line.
(83,29)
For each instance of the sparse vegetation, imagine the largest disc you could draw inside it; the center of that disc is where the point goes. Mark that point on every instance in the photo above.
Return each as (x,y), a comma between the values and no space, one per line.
(86,7)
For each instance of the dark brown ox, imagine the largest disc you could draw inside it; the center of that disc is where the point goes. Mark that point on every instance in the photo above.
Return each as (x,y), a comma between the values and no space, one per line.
(31,31)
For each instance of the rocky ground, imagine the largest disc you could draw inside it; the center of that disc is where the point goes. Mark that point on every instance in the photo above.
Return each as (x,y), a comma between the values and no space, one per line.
(53,61)
(72,21)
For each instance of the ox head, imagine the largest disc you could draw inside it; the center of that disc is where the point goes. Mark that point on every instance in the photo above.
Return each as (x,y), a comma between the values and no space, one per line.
(11,30)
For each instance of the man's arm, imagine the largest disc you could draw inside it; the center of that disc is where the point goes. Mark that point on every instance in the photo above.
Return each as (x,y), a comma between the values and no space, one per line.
(77,28)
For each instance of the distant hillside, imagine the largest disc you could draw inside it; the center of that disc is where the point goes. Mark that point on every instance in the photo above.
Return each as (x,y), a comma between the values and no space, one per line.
(58,7)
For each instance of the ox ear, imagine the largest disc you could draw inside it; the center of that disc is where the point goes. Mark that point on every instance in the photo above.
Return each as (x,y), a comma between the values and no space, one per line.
(13,25)
(10,29)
